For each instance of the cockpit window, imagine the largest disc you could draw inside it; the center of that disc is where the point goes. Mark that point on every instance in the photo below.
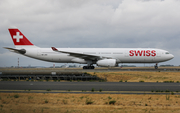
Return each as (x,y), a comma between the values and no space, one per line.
(167,53)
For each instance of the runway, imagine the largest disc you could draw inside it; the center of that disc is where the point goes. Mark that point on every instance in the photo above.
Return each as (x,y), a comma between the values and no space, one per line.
(87,86)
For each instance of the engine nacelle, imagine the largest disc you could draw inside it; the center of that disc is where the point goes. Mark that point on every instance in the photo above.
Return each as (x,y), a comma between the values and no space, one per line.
(106,62)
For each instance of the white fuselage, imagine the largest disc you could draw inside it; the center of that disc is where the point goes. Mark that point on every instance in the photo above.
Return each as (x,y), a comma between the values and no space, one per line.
(105,57)
(122,55)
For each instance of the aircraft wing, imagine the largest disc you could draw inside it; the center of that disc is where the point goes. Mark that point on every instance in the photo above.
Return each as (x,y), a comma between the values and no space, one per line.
(81,55)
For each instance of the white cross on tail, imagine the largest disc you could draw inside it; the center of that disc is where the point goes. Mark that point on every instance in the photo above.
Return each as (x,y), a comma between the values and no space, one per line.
(17,37)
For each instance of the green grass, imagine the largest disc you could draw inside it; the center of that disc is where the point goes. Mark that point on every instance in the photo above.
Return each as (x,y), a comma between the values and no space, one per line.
(141,81)
(89,102)
(92,90)
(112,102)
(48,90)
(46,101)
(167,97)
(16,96)
(109,97)
(167,90)
(169,81)
(100,90)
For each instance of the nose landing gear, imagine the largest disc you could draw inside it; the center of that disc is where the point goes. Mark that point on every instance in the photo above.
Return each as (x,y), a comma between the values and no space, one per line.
(156,66)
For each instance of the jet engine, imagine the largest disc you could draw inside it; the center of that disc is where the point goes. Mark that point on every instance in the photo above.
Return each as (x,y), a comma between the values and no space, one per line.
(106,62)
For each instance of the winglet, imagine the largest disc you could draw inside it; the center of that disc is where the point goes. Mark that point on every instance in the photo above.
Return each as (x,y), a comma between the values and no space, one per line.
(54,49)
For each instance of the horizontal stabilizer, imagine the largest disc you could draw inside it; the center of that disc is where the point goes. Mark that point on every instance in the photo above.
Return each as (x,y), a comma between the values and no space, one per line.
(21,51)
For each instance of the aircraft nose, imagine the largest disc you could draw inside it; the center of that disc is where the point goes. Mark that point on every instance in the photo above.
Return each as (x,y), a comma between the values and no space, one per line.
(172,56)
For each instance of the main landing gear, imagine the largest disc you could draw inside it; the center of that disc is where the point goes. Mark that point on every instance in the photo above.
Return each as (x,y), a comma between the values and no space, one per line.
(88,67)
(156,66)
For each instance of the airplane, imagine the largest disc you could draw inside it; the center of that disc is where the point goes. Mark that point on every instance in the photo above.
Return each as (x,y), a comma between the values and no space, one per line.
(104,57)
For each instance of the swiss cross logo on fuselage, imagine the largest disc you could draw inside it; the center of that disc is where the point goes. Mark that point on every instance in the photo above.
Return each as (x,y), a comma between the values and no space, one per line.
(17,37)
(142,53)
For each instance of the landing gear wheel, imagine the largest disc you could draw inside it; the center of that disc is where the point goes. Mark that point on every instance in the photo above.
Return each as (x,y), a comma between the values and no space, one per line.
(156,66)
(92,67)
(84,67)
(88,67)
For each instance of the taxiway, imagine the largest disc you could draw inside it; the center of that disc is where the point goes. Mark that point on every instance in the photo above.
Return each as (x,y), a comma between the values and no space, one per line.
(88,86)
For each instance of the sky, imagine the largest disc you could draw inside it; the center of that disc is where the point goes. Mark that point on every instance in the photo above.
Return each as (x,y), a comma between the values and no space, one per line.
(90,24)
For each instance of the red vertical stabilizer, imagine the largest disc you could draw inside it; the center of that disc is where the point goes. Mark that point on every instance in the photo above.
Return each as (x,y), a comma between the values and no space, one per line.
(18,38)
